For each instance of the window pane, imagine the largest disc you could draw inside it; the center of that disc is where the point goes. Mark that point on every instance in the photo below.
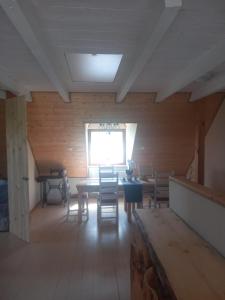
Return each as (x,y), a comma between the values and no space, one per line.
(106,147)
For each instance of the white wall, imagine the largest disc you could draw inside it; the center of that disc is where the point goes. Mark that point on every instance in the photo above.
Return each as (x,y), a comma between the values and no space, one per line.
(34,186)
(131,129)
(215,153)
(202,214)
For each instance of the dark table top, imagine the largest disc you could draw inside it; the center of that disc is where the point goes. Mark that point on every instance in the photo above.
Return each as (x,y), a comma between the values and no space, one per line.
(43,178)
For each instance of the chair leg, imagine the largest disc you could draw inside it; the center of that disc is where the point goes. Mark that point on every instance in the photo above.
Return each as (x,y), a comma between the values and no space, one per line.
(87,208)
(98,212)
(150,202)
(80,208)
(140,205)
(125,205)
(129,211)
(68,210)
(84,206)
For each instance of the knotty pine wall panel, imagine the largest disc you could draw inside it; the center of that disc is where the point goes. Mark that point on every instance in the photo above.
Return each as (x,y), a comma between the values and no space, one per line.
(165,134)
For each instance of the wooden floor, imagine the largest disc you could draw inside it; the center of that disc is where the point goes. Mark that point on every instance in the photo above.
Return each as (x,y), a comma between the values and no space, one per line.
(65,260)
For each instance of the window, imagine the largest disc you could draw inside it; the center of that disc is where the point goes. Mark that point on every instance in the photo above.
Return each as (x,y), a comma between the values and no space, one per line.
(88,67)
(106,147)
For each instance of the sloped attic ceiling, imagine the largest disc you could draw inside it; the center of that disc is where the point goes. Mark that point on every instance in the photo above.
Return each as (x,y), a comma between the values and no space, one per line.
(37,35)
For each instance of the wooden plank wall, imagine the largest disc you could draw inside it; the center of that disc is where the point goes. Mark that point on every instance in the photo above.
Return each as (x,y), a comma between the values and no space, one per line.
(207,111)
(17,165)
(165,136)
(3,159)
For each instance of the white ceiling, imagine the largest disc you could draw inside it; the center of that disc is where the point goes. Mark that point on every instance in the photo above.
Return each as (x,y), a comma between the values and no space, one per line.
(114,27)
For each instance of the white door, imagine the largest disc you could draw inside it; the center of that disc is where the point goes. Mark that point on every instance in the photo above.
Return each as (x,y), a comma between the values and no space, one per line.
(17,167)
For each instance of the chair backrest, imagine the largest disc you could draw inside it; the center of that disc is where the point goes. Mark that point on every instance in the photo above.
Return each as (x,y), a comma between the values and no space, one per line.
(146,171)
(104,170)
(163,177)
(162,183)
(108,181)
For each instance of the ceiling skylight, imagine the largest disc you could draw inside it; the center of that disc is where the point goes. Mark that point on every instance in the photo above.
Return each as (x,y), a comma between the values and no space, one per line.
(93,67)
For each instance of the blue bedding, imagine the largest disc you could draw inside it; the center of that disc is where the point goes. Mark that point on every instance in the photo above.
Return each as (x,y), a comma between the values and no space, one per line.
(4,212)
(3,191)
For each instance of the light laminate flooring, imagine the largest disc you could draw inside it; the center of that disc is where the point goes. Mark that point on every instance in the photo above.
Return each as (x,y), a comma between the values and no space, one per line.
(66,260)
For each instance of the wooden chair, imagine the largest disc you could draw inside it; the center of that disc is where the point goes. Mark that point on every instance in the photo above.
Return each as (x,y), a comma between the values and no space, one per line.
(146,173)
(107,206)
(105,169)
(74,206)
(161,187)
(67,196)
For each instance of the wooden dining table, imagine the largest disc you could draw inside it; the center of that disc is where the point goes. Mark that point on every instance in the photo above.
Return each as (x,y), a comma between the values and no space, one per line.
(91,185)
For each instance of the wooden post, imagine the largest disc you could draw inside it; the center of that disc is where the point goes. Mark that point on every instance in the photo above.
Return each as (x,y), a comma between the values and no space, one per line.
(17,166)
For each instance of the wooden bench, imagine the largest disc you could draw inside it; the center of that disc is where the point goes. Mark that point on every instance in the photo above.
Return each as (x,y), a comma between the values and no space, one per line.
(182,265)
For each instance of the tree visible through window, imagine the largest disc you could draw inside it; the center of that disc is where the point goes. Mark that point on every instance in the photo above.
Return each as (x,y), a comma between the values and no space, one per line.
(106,147)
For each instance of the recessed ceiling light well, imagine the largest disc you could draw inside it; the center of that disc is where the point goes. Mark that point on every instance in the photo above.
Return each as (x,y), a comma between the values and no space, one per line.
(93,67)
